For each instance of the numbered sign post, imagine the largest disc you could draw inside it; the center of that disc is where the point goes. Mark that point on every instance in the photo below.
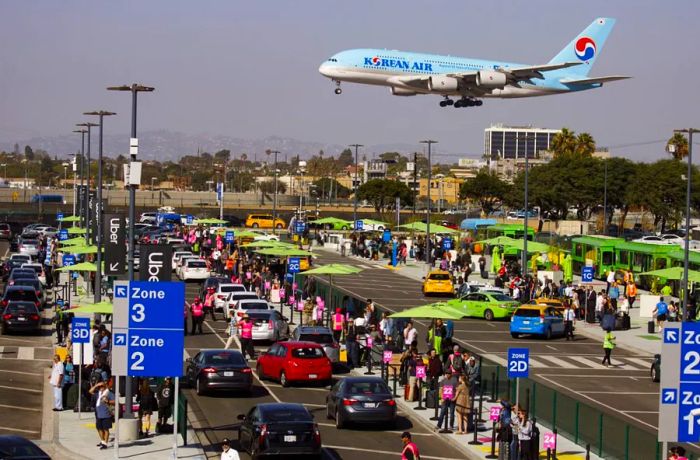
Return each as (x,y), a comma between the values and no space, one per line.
(494,415)
(587,274)
(518,366)
(549,441)
(80,334)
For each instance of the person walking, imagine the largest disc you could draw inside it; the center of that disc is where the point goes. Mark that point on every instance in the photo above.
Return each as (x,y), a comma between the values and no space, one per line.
(209,303)
(68,378)
(227,452)
(56,381)
(197,311)
(409,450)
(660,313)
(447,409)
(608,345)
(232,328)
(462,405)
(569,319)
(410,334)
(245,332)
(147,402)
(165,396)
(103,412)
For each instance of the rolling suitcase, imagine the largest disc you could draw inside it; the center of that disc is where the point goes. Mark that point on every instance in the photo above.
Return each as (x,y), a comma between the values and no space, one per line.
(650,327)
(430,399)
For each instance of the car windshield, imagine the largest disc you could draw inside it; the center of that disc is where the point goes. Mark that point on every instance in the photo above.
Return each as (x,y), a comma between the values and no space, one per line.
(307,353)
(21,294)
(439,277)
(368,388)
(19,257)
(254,306)
(21,307)
(500,297)
(232,288)
(196,264)
(224,358)
(316,338)
(286,415)
(30,242)
(35,268)
(527,313)
(31,282)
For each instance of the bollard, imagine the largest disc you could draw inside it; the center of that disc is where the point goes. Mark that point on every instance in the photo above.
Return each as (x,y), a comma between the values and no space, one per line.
(369,361)
(493,441)
(475,418)
(527,400)
(554,453)
(481,402)
(383,369)
(549,454)
(420,396)
(396,378)
(492,399)
(436,399)
(588,451)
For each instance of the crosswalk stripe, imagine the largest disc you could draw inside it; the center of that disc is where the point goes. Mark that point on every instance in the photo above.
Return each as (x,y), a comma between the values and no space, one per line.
(496,359)
(25,353)
(535,363)
(588,362)
(559,362)
(2,349)
(640,362)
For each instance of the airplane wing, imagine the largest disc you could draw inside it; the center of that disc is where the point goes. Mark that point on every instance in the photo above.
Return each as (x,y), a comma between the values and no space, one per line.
(417,82)
(535,71)
(588,81)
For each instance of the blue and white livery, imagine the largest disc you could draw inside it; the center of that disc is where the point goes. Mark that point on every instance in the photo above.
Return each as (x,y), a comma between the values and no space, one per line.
(409,73)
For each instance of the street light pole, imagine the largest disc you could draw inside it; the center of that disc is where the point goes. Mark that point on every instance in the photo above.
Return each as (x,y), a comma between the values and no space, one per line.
(98,206)
(427,220)
(355,185)
(82,164)
(134,88)
(86,201)
(605,196)
(686,251)
(274,199)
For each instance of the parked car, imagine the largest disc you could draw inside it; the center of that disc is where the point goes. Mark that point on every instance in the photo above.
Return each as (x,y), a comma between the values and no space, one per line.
(541,320)
(32,283)
(269,325)
(243,306)
(38,270)
(320,335)
(17,447)
(11,264)
(279,429)
(212,281)
(438,282)
(222,291)
(264,236)
(5,232)
(489,306)
(218,370)
(361,400)
(235,296)
(19,294)
(29,247)
(194,269)
(176,258)
(20,317)
(290,362)
(264,221)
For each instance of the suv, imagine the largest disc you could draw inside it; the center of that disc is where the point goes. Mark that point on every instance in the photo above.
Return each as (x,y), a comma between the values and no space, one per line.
(263,221)
(21,294)
(320,335)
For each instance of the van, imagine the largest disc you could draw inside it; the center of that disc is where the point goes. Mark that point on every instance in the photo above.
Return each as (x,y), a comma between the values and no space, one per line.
(263,221)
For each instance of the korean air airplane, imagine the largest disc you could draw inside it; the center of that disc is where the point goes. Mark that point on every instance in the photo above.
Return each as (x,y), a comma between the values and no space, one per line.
(469,80)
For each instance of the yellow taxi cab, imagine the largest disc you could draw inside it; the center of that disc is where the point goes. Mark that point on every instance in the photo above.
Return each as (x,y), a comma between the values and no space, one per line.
(263,221)
(438,282)
(556,303)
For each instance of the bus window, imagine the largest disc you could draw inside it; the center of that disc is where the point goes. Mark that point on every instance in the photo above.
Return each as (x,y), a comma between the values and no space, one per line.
(638,259)
(578,249)
(660,263)
(607,258)
(624,257)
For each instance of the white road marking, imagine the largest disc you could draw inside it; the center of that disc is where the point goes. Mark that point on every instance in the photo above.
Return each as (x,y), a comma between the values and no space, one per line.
(645,364)
(21,373)
(25,353)
(392,432)
(535,363)
(588,362)
(19,408)
(622,393)
(552,348)
(496,359)
(28,390)
(384,452)
(7,428)
(559,362)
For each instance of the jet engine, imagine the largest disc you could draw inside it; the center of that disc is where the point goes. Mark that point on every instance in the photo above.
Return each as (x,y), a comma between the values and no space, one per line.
(402,91)
(490,79)
(440,83)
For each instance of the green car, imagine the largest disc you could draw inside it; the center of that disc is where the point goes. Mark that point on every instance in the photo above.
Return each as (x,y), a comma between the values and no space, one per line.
(485,305)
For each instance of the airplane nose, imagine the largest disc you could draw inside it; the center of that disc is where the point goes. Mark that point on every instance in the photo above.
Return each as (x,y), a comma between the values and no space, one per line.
(325,70)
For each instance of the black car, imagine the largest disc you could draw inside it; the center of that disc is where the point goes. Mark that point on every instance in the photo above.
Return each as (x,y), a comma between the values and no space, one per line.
(19,272)
(218,370)
(361,400)
(16,447)
(279,429)
(30,283)
(20,294)
(655,371)
(214,282)
(20,317)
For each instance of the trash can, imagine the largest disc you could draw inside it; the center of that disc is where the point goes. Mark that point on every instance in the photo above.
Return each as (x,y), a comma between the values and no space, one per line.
(650,327)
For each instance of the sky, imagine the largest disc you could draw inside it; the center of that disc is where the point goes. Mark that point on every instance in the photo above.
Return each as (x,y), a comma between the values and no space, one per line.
(250,69)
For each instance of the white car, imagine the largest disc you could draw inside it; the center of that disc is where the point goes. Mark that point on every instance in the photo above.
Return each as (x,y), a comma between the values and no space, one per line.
(181,262)
(372,226)
(661,239)
(231,301)
(244,305)
(263,236)
(222,293)
(39,269)
(148,217)
(46,230)
(177,255)
(172,241)
(194,269)
(24,257)
(28,247)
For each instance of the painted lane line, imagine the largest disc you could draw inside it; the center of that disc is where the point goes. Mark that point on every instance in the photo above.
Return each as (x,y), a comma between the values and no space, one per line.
(588,362)
(28,390)
(7,428)
(496,359)
(332,425)
(22,373)
(384,452)
(645,364)
(26,353)
(19,408)
(535,363)
(559,362)
(552,348)
(620,393)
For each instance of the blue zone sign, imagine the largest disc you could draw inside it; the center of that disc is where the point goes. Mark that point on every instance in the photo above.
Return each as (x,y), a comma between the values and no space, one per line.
(587,274)
(293,265)
(447,243)
(228,237)
(518,362)
(68,260)
(80,330)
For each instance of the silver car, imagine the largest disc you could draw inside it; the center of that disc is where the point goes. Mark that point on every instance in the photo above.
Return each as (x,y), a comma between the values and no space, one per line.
(269,325)
(28,247)
(321,335)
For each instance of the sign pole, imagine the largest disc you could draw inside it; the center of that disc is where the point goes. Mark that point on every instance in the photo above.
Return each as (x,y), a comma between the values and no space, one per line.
(80,371)
(175,415)
(116,416)
(517,391)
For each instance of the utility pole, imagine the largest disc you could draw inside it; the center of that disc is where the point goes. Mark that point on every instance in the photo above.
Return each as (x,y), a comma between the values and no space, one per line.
(356,185)
(82,162)
(274,198)
(89,126)
(427,221)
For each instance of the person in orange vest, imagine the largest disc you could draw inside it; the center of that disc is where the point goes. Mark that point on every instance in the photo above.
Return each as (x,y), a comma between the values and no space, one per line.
(631,293)
(197,310)
(410,449)
(209,303)
(245,333)
(338,324)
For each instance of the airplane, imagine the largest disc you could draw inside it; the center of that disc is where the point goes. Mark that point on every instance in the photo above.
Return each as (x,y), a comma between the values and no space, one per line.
(409,73)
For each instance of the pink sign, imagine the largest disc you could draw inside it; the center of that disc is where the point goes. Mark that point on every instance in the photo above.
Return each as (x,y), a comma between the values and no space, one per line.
(282,294)
(320,302)
(248,275)
(448,392)
(494,413)
(300,305)
(549,441)
(420,372)
(370,342)
(388,355)
(267,285)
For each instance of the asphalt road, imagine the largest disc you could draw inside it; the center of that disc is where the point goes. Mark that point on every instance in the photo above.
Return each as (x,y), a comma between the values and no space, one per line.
(217,413)
(572,368)
(23,359)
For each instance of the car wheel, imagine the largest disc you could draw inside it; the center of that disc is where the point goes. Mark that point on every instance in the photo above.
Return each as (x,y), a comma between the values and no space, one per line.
(283,380)
(259,371)
(344,227)
(548,334)
(655,373)
(515,335)
(255,225)
(488,315)
(339,422)
(199,387)
(278,226)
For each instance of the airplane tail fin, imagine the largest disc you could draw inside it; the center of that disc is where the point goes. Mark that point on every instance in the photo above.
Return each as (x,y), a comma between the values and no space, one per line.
(586,46)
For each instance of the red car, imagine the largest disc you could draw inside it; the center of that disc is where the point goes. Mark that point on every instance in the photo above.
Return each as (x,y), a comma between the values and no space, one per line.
(295,362)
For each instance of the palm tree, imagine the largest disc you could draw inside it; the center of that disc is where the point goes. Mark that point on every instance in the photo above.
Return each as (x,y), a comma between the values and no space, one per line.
(585,144)
(677,146)
(563,142)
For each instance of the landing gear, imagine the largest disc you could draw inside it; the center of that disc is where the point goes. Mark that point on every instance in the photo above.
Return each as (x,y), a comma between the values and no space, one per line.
(468,102)
(337,89)
(446,102)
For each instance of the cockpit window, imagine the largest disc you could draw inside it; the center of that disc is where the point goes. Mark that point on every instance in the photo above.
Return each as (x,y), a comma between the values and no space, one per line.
(332,60)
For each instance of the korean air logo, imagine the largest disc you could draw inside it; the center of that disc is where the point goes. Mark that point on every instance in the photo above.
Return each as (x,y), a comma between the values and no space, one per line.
(585,48)
(376,61)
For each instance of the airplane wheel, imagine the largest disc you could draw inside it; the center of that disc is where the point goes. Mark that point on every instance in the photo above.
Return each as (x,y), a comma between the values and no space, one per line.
(443,104)
(479,103)
(458,104)
(338,91)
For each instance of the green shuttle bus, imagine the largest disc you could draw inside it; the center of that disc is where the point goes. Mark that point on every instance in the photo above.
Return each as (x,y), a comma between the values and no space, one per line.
(598,250)
(515,231)
(643,257)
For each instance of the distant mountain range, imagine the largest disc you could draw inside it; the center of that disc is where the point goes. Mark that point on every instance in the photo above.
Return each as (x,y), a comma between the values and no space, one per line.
(165,145)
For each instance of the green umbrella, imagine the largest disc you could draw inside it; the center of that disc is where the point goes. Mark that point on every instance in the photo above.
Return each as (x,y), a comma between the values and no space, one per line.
(103,308)
(81,249)
(69,219)
(498,240)
(267,244)
(246,234)
(73,241)
(438,310)
(423,227)
(332,221)
(332,270)
(674,273)
(76,231)
(532,246)
(283,252)
(81,267)
(211,221)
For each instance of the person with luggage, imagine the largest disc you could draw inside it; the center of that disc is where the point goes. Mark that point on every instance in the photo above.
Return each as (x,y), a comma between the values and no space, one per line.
(660,313)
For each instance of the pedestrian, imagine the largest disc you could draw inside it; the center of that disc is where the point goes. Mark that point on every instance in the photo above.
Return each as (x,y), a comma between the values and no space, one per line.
(165,396)
(410,334)
(608,345)
(472,370)
(104,407)
(338,324)
(197,313)
(631,293)
(232,328)
(677,453)
(409,450)
(56,381)
(448,386)
(455,362)
(147,403)
(68,377)
(245,332)
(524,435)
(209,303)
(227,452)
(660,313)
(462,405)
(569,319)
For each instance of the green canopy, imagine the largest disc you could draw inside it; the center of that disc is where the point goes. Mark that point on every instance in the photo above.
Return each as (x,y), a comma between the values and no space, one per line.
(330,220)
(81,267)
(211,221)
(283,252)
(268,244)
(333,269)
(81,249)
(423,227)
(69,219)
(438,310)
(103,308)
(532,246)
(373,222)
(73,241)
(498,240)
(76,231)
(674,273)
(246,234)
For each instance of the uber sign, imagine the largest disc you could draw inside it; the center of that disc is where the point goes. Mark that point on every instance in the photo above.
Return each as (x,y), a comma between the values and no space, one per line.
(114,240)
(156,262)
